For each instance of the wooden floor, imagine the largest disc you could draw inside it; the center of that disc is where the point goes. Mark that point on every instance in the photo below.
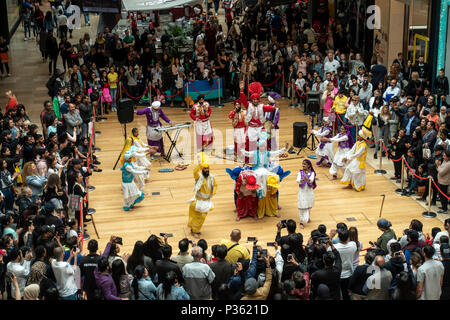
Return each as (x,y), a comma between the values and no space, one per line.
(168,211)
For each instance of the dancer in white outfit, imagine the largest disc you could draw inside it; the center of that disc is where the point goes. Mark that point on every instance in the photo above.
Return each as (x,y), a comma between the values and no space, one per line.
(355,173)
(325,150)
(345,143)
(306,179)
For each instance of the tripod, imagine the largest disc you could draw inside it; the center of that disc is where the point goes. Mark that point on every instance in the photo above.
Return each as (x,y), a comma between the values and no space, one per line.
(118,158)
(311,137)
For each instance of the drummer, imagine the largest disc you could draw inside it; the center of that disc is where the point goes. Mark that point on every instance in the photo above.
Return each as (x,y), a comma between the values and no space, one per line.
(154,113)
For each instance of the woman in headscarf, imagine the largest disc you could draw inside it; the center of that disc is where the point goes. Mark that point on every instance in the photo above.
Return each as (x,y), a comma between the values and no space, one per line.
(31,292)
(306,179)
(38,277)
(345,143)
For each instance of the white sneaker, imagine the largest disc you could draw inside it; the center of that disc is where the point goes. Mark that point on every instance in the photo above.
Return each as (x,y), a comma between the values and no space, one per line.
(9,74)
(26,39)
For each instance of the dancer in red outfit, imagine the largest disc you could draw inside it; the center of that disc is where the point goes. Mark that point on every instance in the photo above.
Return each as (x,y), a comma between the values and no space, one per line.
(247,201)
(200,113)
(240,129)
(255,118)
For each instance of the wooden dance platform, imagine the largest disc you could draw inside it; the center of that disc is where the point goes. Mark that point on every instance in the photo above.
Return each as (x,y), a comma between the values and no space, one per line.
(165,208)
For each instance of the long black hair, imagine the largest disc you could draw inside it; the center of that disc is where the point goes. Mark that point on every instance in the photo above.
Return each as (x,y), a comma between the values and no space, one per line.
(137,257)
(118,270)
(152,248)
(138,274)
(168,282)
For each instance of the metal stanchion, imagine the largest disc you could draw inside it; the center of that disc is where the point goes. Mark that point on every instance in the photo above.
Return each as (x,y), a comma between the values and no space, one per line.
(120,90)
(402,190)
(187,98)
(219,105)
(292,105)
(380,170)
(282,86)
(101,118)
(429,213)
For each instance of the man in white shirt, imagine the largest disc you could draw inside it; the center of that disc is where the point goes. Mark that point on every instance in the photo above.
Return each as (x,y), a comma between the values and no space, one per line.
(331,65)
(347,251)
(442,233)
(430,276)
(64,274)
(20,268)
(391,91)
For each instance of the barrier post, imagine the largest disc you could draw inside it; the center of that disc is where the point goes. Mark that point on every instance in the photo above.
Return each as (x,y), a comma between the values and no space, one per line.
(292,105)
(282,86)
(94,133)
(81,226)
(219,105)
(402,190)
(187,98)
(380,170)
(429,213)
(101,118)
(120,90)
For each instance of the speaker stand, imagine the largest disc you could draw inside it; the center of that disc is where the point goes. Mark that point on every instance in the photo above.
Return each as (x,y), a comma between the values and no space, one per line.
(125,138)
(311,137)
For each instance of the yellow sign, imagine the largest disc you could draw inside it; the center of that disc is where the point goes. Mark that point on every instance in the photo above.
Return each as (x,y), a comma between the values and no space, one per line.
(422,47)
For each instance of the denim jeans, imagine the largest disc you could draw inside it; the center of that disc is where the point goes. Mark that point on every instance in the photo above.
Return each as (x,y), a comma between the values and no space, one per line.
(27,28)
(71,297)
(113,93)
(8,202)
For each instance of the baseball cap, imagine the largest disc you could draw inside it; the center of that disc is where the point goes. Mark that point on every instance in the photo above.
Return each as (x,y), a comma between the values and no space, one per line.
(251,286)
(439,148)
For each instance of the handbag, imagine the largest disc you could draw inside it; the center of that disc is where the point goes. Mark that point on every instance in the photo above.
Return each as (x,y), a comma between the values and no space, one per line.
(426,153)
(74,202)
(420,190)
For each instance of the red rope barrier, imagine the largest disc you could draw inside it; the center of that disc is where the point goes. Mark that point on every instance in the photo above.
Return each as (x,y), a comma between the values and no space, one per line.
(439,189)
(387,153)
(284,80)
(81,223)
(169,97)
(272,83)
(205,94)
(146,89)
(415,175)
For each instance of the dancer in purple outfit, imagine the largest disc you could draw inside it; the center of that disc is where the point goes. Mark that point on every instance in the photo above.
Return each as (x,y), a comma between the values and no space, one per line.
(345,143)
(154,113)
(325,149)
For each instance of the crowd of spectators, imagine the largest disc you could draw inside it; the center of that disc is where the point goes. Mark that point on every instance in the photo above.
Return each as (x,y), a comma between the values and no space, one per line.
(43,175)
(329,266)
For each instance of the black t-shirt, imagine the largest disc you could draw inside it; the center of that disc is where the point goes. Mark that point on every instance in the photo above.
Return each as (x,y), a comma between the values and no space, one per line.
(87,266)
(378,73)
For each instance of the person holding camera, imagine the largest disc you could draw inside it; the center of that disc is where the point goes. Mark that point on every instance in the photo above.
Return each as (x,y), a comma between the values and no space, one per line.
(330,275)
(64,273)
(20,267)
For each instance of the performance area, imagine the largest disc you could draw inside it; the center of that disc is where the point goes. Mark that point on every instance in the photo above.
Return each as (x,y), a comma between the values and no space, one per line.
(165,208)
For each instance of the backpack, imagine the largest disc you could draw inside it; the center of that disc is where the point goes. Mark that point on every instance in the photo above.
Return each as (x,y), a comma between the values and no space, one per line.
(51,85)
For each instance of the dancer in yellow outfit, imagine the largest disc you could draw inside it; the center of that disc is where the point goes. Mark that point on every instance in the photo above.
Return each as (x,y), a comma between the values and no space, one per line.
(355,161)
(133,139)
(205,188)
(268,206)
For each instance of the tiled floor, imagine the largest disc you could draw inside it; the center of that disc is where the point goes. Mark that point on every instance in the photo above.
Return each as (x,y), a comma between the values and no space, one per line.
(29,73)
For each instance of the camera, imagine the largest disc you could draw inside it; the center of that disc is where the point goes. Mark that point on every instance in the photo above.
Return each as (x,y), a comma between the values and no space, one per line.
(270,244)
(238,109)
(119,241)
(398,254)
(251,239)
(283,223)
(169,235)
